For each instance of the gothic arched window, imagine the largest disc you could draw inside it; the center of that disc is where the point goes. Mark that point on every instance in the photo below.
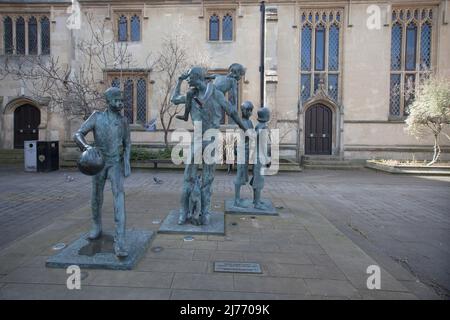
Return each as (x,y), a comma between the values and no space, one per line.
(122,28)
(227,27)
(320,52)
(135,28)
(20,35)
(45,35)
(141,101)
(214,28)
(32,36)
(128,98)
(411,58)
(8,35)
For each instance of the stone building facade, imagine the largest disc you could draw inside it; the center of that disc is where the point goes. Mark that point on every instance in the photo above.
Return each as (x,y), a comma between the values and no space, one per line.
(333,72)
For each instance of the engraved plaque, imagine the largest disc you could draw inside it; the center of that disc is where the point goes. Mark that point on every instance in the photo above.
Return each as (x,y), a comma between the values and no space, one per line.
(237,267)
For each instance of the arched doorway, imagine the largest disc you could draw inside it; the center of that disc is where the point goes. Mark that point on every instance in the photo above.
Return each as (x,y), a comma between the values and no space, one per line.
(26,122)
(318,129)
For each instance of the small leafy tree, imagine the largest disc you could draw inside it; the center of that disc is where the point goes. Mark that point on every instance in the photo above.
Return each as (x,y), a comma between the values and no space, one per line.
(430,112)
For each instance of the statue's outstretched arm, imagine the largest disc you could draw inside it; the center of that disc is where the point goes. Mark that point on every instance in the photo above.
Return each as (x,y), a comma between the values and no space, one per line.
(177,97)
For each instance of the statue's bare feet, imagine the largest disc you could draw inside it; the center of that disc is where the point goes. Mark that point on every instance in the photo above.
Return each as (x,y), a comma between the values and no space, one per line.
(95,232)
(120,251)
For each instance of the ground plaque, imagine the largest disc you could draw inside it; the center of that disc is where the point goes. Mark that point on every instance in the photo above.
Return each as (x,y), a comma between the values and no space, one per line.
(237,267)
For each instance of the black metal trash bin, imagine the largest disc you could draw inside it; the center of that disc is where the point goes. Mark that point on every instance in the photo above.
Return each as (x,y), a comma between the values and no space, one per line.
(47,156)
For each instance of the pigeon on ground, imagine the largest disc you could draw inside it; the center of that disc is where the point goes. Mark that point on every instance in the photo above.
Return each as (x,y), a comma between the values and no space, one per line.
(157,181)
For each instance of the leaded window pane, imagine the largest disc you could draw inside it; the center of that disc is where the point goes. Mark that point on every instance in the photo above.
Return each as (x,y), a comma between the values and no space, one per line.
(410,54)
(135,28)
(317,77)
(306,48)
(8,35)
(45,35)
(305,87)
(115,83)
(396,46)
(409,91)
(227,27)
(123,28)
(394,103)
(425,47)
(32,36)
(20,35)
(128,100)
(333,48)
(320,48)
(214,28)
(333,86)
(141,99)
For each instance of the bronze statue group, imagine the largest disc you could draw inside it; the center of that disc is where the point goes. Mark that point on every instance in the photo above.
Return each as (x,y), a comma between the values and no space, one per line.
(205,101)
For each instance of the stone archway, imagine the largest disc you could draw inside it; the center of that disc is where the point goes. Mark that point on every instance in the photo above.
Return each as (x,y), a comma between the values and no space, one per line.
(27,119)
(322,142)
(20,107)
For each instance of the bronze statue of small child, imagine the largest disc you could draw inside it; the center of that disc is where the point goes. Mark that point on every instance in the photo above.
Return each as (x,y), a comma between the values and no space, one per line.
(262,156)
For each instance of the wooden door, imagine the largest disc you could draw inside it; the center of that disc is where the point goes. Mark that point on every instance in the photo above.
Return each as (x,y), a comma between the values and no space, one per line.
(26,122)
(318,130)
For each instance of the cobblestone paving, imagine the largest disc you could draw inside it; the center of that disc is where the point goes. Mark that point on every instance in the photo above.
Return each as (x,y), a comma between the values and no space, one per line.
(402,222)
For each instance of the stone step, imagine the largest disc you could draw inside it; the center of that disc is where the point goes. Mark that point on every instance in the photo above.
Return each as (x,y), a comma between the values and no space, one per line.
(333,167)
(321,157)
(328,162)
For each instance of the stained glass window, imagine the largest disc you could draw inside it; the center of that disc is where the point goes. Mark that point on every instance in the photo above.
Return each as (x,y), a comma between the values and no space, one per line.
(227,27)
(8,35)
(141,97)
(32,36)
(20,35)
(135,28)
(122,28)
(128,100)
(214,28)
(45,35)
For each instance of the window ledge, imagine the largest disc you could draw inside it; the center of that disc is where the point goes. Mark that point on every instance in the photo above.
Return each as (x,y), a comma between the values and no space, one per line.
(220,41)
(399,119)
(136,127)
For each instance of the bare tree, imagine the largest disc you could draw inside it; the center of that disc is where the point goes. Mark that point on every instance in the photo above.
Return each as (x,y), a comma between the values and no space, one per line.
(172,60)
(76,88)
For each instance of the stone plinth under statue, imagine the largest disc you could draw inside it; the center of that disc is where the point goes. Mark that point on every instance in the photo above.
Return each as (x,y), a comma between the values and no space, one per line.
(247,207)
(215,226)
(100,254)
